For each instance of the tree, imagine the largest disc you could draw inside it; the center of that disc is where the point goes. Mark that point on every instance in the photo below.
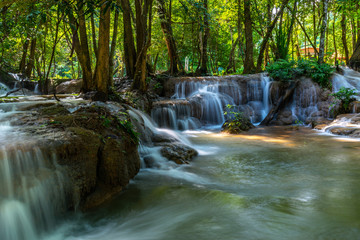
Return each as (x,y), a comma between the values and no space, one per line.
(249,66)
(323,31)
(165,20)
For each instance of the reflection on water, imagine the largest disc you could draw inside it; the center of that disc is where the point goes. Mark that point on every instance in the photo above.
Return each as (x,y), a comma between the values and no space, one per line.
(273,183)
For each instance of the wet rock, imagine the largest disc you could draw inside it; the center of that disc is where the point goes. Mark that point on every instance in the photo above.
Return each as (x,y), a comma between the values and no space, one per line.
(7,79)
(343,130)
(178,152)
(100,155)
(72,86)
(355,106)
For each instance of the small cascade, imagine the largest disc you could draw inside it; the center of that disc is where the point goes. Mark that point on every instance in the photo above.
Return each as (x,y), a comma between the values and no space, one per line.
(350,79)
(3,89)
(305,101)
(32,186)
(37,89)
(154,139)
(201,102)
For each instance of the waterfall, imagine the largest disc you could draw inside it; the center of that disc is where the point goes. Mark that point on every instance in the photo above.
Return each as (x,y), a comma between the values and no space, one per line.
(305,101)
(201,102)
(32,186)
(350,79)
(3,89)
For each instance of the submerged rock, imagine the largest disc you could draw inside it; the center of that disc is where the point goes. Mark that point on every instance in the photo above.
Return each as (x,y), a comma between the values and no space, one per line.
(178,152)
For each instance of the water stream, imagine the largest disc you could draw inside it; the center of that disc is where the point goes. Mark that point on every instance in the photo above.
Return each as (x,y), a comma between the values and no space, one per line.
(273,183)
(270,183)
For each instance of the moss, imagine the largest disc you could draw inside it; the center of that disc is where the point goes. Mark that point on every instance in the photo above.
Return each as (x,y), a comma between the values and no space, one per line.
(54,110)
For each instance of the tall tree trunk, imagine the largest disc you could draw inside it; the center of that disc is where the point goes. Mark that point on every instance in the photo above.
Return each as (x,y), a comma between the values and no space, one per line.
(323,32)
(268,35)
(143,40)
(46,83)
(175,63)
(231,65)
(249,66)
(314,23)
(23,58)
(112,49)
(81,47)
(129,45)
(334,39)
(102,73)
(31,62)
(353,32)
(204,35)
(343,37)
(93,35)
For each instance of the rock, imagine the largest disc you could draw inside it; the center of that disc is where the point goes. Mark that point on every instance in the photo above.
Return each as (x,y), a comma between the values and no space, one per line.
(7,79)
(355,106)
(237,125)
(68,87)
(342,130)
(177,152)
(99,154)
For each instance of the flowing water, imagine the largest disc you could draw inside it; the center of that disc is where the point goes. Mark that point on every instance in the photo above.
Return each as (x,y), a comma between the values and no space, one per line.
(273,183)
(270,183)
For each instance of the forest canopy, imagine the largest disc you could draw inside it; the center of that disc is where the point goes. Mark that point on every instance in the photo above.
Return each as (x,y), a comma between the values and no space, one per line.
(99,40)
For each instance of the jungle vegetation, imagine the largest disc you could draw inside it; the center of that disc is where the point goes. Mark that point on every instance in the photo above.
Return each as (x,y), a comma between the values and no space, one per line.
(101,40)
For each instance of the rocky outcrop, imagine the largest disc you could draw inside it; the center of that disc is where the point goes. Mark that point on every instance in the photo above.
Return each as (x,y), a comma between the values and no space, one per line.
(93,142)
(68,87)
(7,79)
(343,125)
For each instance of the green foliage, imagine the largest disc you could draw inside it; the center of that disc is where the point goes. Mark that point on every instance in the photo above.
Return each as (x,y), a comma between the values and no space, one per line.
(345,96)
(129,127)
(237,121)
(284,71)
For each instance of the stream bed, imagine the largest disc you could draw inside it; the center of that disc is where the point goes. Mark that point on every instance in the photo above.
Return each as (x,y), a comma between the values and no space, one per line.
(270,183)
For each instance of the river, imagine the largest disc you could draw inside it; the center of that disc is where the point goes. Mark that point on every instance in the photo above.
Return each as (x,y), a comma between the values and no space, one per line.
(271,183)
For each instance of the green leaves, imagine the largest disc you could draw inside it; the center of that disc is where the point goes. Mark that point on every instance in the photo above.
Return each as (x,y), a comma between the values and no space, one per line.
(283,70)
(345,96)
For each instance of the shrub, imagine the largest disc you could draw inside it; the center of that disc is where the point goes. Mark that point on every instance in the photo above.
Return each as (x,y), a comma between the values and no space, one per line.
(237,121)
(345,96)
(283,70)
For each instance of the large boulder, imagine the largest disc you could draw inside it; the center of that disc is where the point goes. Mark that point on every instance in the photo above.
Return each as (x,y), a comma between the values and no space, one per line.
(93,142)
(7,79)
(72,86)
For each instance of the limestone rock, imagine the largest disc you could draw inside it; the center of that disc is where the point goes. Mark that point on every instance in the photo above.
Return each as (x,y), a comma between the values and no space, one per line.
(72,86)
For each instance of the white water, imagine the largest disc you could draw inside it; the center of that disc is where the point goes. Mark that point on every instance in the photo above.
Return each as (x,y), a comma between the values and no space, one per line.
(31,185)
(201,102)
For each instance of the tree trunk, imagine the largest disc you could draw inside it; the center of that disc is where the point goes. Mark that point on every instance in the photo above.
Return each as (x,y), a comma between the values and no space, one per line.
(323,32)
(93,35)
(31,62)
(23,58)
(343,38)
(175,63)
(143,40)
(204,35)
(249,66)
(81,47)
(231,66)
(112,49)
(268,35)
(334,39)
(129,45)
(102,73)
